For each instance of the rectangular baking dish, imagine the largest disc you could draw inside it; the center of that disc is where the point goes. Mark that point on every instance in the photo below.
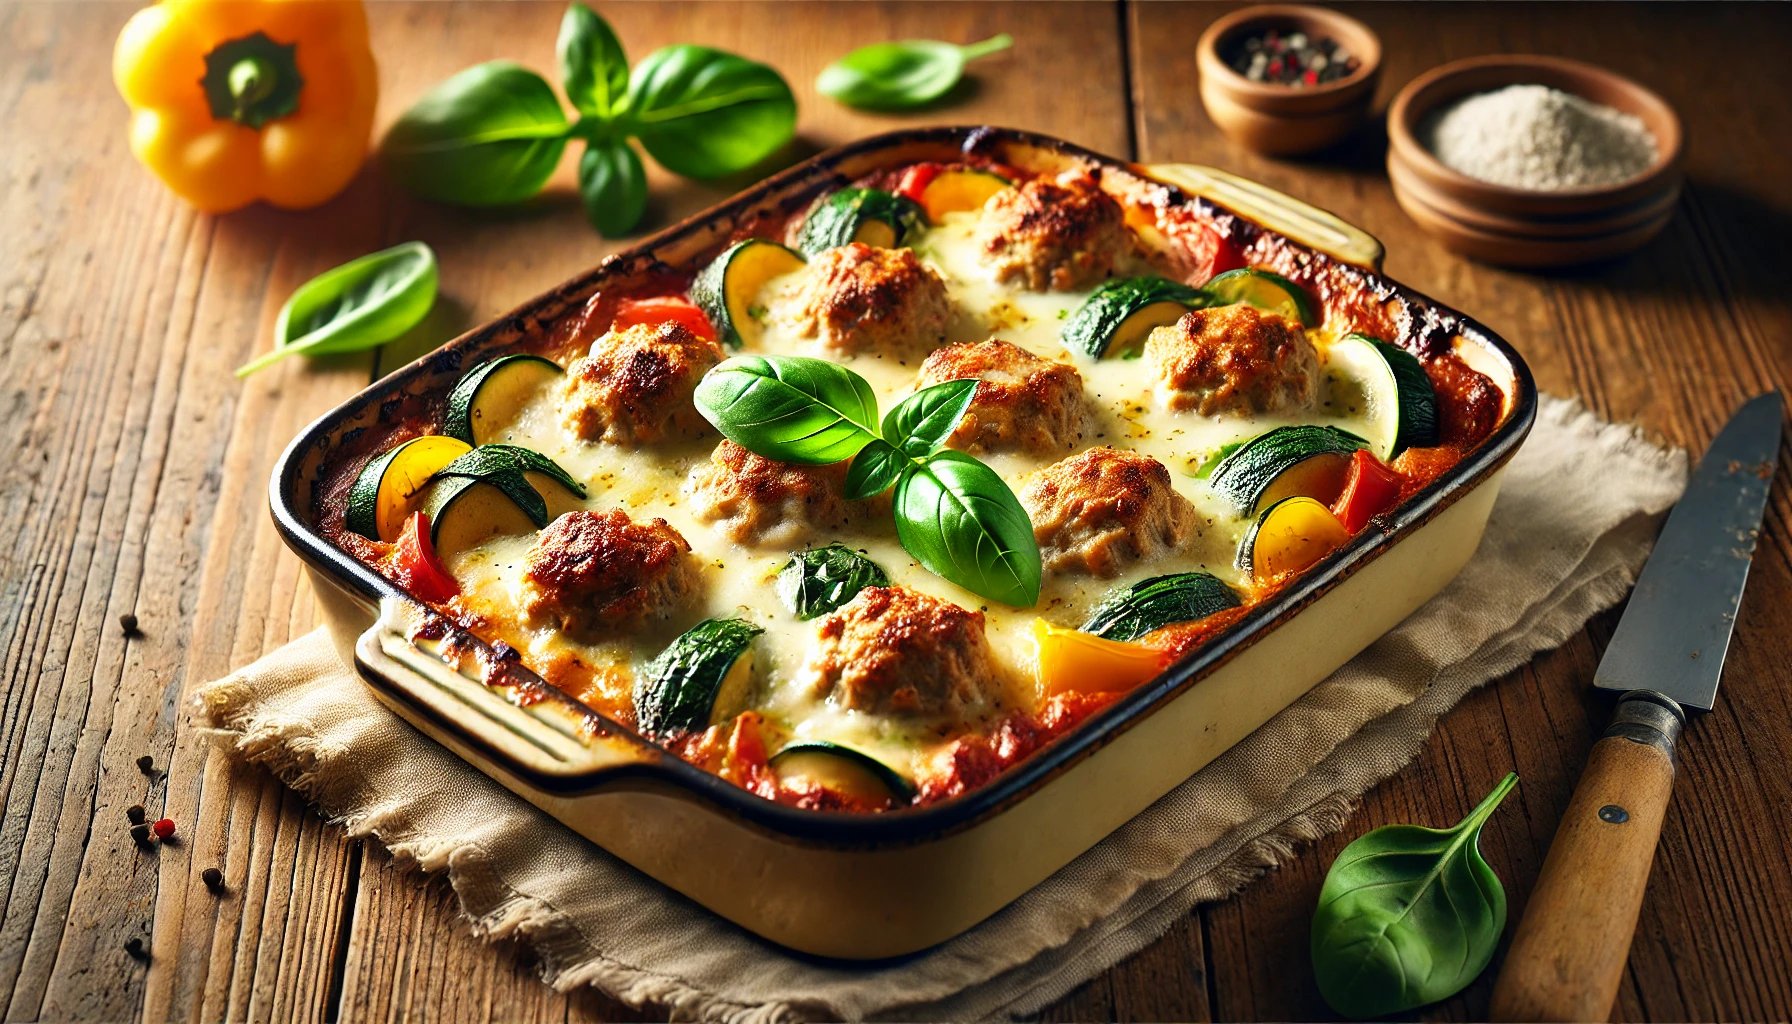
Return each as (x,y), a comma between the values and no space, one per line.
(863,886)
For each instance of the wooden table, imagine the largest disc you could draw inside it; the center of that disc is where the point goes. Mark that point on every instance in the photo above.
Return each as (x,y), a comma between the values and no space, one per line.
(133,475)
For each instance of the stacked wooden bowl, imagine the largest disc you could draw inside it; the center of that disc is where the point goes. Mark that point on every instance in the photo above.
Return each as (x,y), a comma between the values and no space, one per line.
(1519,227)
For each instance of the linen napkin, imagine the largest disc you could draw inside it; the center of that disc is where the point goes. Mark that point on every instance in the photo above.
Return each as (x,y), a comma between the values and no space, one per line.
(1572,526)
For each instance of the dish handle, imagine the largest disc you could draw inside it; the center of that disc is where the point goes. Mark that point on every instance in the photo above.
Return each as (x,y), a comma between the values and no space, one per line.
(1280,213)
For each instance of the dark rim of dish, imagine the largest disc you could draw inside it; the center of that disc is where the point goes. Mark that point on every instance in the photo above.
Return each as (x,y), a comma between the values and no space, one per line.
(907,825)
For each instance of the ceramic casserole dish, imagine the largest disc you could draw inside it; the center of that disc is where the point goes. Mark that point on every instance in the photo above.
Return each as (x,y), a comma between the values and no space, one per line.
(872,885)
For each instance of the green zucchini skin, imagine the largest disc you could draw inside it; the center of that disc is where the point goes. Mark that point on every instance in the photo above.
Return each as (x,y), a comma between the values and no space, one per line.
(820,580)
(362,515)
(1243,476)
(1417,396)
(838,218)
(1092,328)
(679,690)
(709,291)
(1128,613)
(464,399)
(901,789)
(1268,291)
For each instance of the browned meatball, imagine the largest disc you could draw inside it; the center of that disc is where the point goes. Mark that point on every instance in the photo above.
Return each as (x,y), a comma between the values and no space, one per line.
(1233,359)
(1023,403)
(756,501)
(892,649)
(859,298)
(1053,236)
(635,385)
(598,574)
(1103,510)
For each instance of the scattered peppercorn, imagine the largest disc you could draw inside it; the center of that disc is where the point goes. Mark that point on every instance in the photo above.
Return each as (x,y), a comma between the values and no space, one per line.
(136,813)
(134,946)
(128,623)
(1292,59)
(213,879)
(146,764)
(140,833)
(164,828)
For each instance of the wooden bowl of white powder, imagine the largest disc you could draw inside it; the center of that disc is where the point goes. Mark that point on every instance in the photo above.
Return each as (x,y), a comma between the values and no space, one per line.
(1534,161)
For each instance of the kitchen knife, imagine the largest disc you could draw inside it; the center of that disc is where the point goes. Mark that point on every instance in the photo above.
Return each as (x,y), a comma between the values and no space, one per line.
(1569,951)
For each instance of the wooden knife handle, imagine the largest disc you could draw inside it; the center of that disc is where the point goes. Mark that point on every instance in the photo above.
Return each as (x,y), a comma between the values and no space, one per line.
(1568,954)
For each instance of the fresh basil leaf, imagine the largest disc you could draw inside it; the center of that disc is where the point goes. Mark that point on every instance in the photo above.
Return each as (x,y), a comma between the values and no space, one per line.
(922,421)
(1408,916)
(704,113)
(360,305)
(593,68)
(910,73)
(819,580)
(874,470)
(490,136)
(613,185)
(789,408)
(958,518)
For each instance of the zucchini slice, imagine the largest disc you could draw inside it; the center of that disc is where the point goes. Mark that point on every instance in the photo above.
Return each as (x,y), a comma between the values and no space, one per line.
(727,288)
(1116,317)
(1288,537)
(702,679)
(1269,292)
(1302,459)
(487,399)
(869,215)
(958,190)
(819,580)
(390,487)
(1128,613)
(844,770)
(465,512)
(1384,387)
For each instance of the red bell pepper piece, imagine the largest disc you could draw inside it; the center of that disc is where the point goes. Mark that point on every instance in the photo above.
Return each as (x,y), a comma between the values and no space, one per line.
(915,179)
(418,567)
(663,309)
(1226,256)
(1370,489)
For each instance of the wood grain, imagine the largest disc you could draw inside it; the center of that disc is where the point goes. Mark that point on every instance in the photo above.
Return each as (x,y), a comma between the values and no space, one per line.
(132,469)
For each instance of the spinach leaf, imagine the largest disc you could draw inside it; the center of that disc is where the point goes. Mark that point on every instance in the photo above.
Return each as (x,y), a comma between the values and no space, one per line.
(704,113)
(490,136)
(593,68)
(874,470)
(790,408)
(613,186)
(960,520)
(921,422)
(819,580)
(1408,916)
(910,73)
(360,305)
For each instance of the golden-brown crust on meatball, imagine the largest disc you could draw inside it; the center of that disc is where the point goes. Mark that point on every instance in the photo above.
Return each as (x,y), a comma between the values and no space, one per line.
(1102,510)
(1058,236)
(859,298)
(755,501)
(635,385)
(597,574)
(896,650)
(1233,359)
(1023,403)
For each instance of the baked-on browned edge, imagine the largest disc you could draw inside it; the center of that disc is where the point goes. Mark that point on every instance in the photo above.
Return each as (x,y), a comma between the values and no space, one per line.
(1411,319)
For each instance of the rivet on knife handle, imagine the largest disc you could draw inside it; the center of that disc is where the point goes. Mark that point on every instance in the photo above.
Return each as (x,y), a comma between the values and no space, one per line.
(1568,955)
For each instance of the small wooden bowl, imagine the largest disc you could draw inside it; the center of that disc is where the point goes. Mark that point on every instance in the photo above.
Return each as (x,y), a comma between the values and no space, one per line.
(1280,120)
(1520,227)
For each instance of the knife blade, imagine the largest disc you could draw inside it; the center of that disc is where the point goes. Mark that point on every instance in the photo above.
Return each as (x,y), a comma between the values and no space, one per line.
(1676,631)
(1569,951)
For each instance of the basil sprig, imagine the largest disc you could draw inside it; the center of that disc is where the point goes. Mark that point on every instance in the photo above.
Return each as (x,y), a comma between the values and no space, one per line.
(1408,916)
(899,75)
(360,305)
(493,134)
(953,513)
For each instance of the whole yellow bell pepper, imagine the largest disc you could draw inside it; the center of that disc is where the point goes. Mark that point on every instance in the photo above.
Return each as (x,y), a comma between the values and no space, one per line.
(238,100)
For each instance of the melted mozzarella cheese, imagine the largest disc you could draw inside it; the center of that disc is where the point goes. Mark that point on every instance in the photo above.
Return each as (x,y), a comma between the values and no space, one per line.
(649,482)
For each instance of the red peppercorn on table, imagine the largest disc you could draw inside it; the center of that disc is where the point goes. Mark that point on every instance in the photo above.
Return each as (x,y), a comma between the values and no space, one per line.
(137,466)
